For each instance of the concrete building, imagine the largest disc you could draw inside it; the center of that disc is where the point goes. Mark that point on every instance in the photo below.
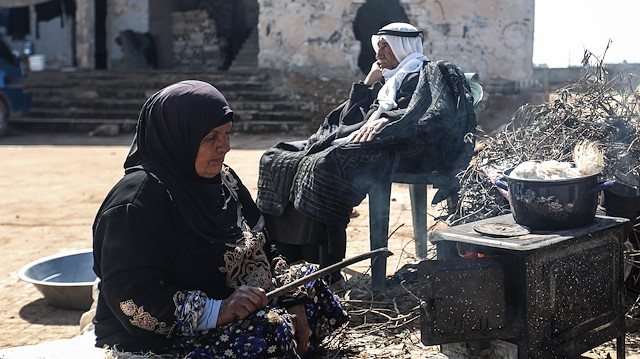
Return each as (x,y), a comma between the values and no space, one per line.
(326,37)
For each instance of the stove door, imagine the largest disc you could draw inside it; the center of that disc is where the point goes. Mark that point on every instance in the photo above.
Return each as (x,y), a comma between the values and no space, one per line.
(465,299)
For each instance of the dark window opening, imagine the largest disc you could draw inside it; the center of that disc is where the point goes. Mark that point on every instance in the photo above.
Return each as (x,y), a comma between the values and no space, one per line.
(370,17)
(101,34)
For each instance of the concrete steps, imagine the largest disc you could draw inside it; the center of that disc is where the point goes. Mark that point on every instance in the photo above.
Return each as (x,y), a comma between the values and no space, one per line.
(116,97)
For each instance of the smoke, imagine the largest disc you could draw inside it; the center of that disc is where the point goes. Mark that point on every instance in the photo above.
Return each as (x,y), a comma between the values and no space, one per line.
(600,107)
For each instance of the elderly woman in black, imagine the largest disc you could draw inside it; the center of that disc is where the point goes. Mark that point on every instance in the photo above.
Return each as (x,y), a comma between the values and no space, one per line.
(181,251)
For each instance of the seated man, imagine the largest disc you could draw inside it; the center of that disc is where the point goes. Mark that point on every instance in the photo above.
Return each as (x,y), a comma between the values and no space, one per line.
(307,189)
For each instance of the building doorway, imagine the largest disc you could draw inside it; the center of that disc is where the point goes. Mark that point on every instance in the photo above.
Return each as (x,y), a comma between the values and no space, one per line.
(100,7)
(370,17)
(235,21)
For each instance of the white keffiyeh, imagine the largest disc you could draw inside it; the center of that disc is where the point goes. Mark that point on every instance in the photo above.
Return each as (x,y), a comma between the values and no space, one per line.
(407,50)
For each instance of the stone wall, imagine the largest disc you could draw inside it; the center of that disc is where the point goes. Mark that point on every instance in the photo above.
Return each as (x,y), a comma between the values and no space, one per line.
(492,38)
(195,44)
(308,35)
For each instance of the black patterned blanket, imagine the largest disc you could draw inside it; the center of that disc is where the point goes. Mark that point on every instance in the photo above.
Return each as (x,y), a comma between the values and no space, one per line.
(325,181)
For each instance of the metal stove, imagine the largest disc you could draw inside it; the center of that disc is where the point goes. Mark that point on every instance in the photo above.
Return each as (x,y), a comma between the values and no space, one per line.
(498,290)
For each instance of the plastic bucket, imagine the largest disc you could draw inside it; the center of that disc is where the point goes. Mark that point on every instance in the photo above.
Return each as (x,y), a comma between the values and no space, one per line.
(37,62)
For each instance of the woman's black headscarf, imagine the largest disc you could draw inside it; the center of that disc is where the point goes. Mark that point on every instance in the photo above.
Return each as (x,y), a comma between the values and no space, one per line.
(171,125)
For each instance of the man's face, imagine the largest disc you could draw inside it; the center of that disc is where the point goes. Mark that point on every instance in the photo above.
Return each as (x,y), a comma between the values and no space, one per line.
(385,57)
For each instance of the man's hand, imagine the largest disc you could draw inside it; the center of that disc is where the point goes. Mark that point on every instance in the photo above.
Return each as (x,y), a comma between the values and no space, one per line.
(301,327)
(367,131)
(242,302)
(374,75)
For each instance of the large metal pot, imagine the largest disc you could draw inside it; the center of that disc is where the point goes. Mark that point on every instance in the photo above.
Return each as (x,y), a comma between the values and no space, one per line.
(553,204)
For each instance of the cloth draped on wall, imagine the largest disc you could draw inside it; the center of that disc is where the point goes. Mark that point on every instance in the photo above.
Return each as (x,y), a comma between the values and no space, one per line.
(18,22)
(47,11)
(139,48)
(326,181)
(51,9)
(17,19)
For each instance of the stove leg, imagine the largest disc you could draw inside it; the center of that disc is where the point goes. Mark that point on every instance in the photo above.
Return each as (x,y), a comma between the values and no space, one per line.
(620,347)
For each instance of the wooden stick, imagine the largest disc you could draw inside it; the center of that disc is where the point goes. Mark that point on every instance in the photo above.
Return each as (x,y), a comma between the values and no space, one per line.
(328,270)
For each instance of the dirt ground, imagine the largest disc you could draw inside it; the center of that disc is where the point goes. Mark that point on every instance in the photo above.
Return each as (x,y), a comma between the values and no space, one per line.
(51,186)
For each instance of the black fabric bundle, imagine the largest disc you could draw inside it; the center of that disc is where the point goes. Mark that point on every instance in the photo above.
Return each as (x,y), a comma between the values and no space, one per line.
(51,9)
(18,23)
(326,181)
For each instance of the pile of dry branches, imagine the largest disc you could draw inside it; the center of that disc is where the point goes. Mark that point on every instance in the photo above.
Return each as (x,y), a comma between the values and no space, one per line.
(597,108)
(383,324)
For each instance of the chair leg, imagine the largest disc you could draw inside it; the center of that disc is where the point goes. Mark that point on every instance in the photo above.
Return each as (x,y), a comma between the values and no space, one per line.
(379,198)
(452,203)
(418,194)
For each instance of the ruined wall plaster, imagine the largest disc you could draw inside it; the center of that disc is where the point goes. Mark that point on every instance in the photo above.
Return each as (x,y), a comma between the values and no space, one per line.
(492,38)
(309,35)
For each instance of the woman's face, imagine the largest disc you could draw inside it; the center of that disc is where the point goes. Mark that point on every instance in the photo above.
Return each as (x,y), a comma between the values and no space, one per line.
(212,149)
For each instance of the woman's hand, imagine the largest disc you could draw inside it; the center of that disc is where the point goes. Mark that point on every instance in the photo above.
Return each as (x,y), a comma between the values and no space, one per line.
(301,327)
(367,131)
(242,302)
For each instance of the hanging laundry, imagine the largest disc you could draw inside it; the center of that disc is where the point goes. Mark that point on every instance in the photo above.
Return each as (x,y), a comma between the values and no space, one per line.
(18,23)
(4,17)
(69,7)
(46,11)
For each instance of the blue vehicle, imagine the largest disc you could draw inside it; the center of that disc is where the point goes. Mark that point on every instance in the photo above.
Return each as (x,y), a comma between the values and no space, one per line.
(15,99)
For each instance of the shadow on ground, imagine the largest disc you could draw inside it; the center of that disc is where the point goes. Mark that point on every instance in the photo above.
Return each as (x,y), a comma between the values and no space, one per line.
(40,312)
(16,137)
